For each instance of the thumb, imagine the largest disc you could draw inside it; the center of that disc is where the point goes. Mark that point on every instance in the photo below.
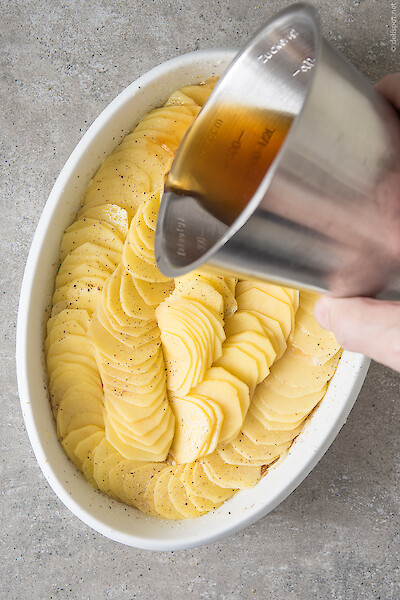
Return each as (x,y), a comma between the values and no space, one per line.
(364,325)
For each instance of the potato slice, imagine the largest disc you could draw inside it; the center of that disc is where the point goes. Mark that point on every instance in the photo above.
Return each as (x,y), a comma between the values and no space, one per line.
(273,424)
(146,432)
(91,253)
(76,409)
(266,396)
(131,301)
(269,306)
(308,300)
(179,497)
(202,504)
(69,350)
(219,283)
(195,423)
(66,376)
(105,458)
(161,497)
(309,324)
(141,269)
(81,317)
(150,209)
(129,478)
(258,454)
(185,361)
(70,271)
(82,293)
(153,293)
(301,374)
(319,348)
(200,93)
(270,453)
(241,364)
(139,247)
(264,349)
(71,441)
(112,214)
(136,451)
(131,412)
(201,291)
(154,440)
(230,476)
(85,452)
(58,332)
(90,230)
(227,397)
(203,486)
(243,320)
(259,434)
(221,374)
(274,290)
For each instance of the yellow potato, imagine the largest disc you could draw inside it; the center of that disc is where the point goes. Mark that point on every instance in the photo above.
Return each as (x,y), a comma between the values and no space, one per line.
(90,230)
(225,475)
(230,455)
(227,397)
(268,397)
(202,485)
(162,502)
(258,454)
(179,497)
(259,434)
(195,423)
(112,214)
(255,299)
(75,437)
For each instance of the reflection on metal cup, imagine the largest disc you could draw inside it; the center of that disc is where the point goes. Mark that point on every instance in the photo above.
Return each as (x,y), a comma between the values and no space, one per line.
(291,172)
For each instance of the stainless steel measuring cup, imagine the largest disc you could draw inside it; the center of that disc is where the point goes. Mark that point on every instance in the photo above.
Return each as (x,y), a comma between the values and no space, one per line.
(291,172)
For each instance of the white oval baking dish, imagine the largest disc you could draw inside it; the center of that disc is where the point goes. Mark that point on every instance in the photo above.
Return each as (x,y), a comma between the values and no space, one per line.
(123,524)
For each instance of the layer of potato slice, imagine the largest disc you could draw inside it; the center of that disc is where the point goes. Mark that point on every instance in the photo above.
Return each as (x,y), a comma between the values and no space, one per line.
(81,293)
(230,476)
(200,502)
(202,485)
(133,450)
(257,431)
(140,268)
(179,497)
(267,396)
(105,458)
(198,423)
(264,303)
(263,455)
(258,454)
(303,374)
(112,214)
(219,283)
(227,397)
(90,230)
(77,409)
(75,437)
(127,479)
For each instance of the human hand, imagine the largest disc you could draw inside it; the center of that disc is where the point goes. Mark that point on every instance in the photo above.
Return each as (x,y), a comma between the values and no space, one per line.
(363,324)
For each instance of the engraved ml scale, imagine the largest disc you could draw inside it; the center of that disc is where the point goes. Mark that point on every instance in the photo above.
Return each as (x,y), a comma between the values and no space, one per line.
(324,214)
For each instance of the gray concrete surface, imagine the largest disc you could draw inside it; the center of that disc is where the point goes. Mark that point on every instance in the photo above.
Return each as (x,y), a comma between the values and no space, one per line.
(336,536)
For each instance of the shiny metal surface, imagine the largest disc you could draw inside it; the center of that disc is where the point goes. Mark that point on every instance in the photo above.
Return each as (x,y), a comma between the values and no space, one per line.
(325,213)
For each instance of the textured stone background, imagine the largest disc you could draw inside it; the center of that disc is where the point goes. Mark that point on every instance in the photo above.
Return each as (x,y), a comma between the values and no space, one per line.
(336,535)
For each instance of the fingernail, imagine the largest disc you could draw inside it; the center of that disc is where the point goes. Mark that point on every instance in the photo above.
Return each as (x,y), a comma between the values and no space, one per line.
(321,313)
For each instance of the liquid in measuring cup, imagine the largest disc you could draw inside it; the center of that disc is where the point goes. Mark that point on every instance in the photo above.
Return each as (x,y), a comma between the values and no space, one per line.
(228,157)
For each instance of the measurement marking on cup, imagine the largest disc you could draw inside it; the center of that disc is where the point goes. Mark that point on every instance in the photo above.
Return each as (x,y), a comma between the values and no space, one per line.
(307,64)
(275,48)
(180,236)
